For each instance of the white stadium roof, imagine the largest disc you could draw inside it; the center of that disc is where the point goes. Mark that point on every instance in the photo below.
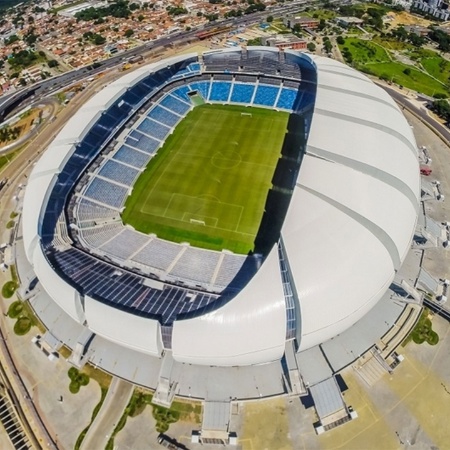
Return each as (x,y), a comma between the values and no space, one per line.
(347,230)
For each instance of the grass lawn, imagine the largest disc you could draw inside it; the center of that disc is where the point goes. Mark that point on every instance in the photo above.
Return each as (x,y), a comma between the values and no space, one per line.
(423,331)
(208,184)
(365,52)
(372,58)
(438,67)
(8,158)
(321,14)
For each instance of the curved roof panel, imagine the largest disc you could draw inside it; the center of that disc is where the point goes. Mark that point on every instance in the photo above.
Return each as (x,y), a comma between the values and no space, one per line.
(250,329)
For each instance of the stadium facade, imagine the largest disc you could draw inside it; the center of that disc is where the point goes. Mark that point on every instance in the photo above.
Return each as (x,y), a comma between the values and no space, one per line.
(354,201)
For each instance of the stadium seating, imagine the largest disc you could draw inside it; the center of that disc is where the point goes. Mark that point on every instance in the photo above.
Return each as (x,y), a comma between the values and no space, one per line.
(286,99)
(174,104)
(145,143)
(107,193)
(266,95)
(163,116)
(118,172)
(96,237)
(202,87)
(231,265)
(91,211)
(196,265)
(132,157)
(220,91)
(158,254)
(242,93)
(181,92)
(125,244)
(154,129)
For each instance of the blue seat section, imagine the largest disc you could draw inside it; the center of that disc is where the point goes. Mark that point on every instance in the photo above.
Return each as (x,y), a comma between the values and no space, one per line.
(286,99)
(188,70)
(181,92)
(107,193)
(132,157)
(202,87)
(242,93)
(144,143)
(194,67)
(103,282)
(220,91)
(118,172)
(154,129)
(174,104)
(266,95)
(163,116)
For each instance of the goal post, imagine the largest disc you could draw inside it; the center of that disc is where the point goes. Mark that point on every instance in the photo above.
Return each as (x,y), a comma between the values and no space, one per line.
(197,222)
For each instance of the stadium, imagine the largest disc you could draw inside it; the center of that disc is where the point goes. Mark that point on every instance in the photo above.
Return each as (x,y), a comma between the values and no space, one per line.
(217,226)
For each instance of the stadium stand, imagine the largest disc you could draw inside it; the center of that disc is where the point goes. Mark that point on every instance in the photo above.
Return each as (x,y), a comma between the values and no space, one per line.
(164,116)
(286,99)
(125,244)
(91,211)
(182,92)
(132,157)
(229,268)
(108,284)
(266,95)
(220,90)
(242,93)
(142,142)
(153,129)
(202,87)
(196,265)
(96,237)
(158,254)
(118,172)
(175,105)
(107,193)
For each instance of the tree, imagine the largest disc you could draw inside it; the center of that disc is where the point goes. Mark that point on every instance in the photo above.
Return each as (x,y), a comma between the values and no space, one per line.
(269,19)
(407,71)
(129,33)
(53,63)
(442,109)
(327,45)
(340,40)
(99,39)
(311,47)
(322,24)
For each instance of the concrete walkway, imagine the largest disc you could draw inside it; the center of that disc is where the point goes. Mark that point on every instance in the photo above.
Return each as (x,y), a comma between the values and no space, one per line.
(116,400)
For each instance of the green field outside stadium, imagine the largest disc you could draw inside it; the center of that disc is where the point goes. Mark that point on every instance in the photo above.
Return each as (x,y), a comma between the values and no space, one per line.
(208,184)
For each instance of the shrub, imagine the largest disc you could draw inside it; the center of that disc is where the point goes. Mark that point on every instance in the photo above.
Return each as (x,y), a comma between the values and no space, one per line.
(22,326)
(77,379)
(73,373)
(10,224)
(15,309)
(74,387)
(83,379)
(8,289)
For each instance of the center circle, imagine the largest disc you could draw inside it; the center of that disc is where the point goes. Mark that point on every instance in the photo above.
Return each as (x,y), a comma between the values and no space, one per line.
(226,160)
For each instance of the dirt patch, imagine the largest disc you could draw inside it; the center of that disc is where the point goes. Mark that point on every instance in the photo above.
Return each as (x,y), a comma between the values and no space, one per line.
(265,426)
(405,18)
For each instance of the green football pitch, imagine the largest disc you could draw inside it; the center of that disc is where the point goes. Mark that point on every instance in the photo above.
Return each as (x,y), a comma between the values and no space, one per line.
(208,184)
